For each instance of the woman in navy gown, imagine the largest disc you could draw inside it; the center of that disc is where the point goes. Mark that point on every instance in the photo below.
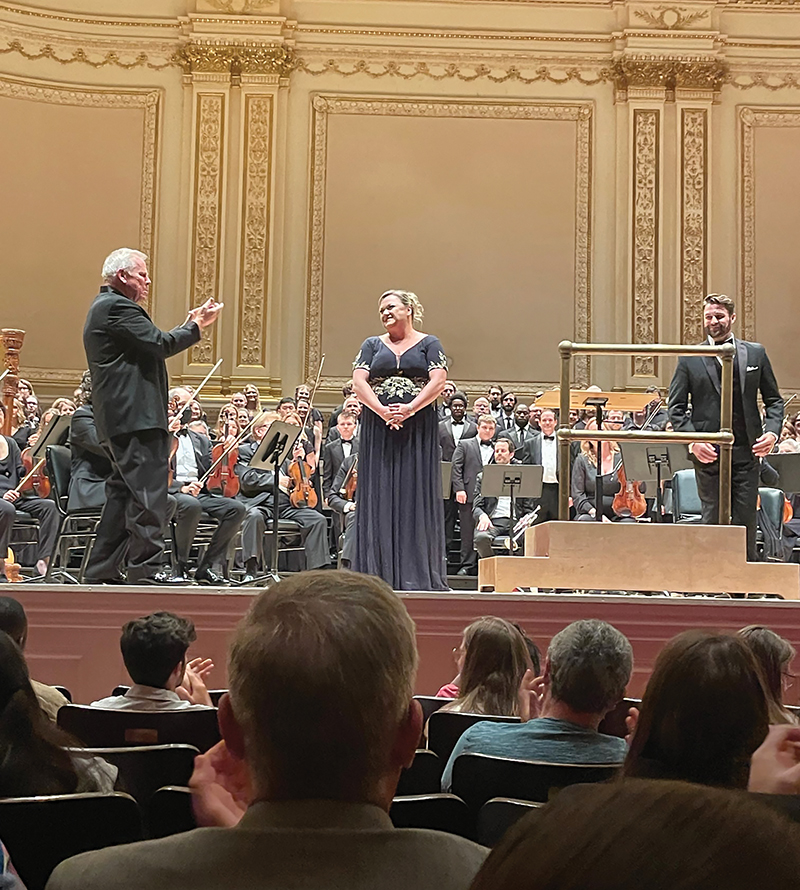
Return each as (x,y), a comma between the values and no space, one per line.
(399,524)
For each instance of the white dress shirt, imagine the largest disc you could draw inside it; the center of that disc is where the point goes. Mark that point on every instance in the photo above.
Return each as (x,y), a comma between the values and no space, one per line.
(185,461)
(347,448)
(146,698)
(503,509)
(458,431)
(549,459)
(487,451)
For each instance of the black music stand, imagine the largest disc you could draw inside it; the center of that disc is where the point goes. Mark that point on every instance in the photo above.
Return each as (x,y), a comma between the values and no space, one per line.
(788,468)
(512,481)
(272,451)
(647,462)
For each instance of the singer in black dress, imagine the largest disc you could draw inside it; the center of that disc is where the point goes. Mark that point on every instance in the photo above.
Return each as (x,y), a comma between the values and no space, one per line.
(399,525)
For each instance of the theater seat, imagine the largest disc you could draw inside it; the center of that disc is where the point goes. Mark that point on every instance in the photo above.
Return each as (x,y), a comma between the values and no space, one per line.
(170,812)
(424,776)
(445,728)
(499,814)
(686,505)
(439,812)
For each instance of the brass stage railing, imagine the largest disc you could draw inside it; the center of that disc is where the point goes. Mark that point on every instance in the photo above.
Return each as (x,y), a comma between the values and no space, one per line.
(724,438)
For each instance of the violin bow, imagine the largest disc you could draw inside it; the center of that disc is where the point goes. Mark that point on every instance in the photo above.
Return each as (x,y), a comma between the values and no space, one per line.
(314,392)
(202,384)
(230,447)
(34,469)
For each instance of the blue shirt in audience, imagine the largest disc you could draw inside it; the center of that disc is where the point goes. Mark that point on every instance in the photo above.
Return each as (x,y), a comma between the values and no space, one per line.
(545,739)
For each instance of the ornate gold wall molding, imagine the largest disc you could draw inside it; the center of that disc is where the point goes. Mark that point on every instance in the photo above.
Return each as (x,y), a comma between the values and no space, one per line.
(751,117)
(258,112)
(669,73)
(207,223)
(694,202)
(236,58)
(148,100)
(645,235)
(671,17)
(323,106)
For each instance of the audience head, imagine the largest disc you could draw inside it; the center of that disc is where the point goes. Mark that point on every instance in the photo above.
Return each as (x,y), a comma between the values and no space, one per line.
(447,391)
(154,649)
(346,424)
(487,426)
(458,406)
(587,667)
(24,388)
(13,620)
(509,402)
(703,714)
(285,405)
(242,418)
(533,651)
(503,450)
(63,406)
(322,675)
(774,656)
(347,389)
(654,835)
(253,398)
(492,661)
(351,403)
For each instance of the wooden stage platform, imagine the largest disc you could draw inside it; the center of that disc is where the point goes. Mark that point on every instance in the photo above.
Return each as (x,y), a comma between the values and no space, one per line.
(75,630)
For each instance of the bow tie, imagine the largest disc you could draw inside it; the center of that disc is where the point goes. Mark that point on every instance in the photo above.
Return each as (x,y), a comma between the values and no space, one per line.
(549,438)
(183,431)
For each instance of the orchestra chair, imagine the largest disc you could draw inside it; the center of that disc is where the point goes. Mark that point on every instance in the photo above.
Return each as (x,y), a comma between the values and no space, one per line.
(424,776)
(437,812)
(478,778)
(170,811)
(445,728)
(499,814)
(614,721)
(109,728)
(430,703)
(76,528)
(216,694)
(41,832)
(686,505)
(772,501)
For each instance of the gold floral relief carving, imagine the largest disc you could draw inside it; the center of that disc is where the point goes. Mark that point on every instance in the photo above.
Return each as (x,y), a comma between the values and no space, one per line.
(92,56)
(645,248)
(670,17)
(669,73)
(749,119)
(148,100)
(323,106)
(236,59)
(208,155)
(694,198)
(255,229)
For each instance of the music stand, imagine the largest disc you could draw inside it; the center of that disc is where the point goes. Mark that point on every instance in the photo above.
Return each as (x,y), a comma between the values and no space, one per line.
(788,469)
(512,481)
(447,473)
(647,462)
(55,432)
(276,446)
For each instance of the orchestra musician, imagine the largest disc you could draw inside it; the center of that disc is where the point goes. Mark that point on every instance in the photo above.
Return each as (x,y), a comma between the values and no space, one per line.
(334,455)
(343,503)
(584,473)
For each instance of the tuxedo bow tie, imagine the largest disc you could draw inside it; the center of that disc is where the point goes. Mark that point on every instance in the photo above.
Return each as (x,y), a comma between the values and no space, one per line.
(183,431)
(549,438)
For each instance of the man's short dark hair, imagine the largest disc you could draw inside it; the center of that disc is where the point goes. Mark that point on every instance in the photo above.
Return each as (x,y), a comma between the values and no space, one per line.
(459,395)
(496,386)
(287,400)
(153,646)
(721,300)
(509,442)
(13,620)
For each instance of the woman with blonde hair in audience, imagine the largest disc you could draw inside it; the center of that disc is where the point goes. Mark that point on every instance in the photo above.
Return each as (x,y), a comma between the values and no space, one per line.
(703,714)
(34,759)
(774,656)
(64,406)
(493,661)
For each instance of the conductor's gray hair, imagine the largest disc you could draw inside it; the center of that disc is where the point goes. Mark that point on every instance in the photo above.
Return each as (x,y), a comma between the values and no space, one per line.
(120,260)
(590,666)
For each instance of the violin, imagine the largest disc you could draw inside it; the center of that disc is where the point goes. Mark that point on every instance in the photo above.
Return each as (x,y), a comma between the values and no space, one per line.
(348,489)
(629,500)
(223,479)
(301,488)
(35,476)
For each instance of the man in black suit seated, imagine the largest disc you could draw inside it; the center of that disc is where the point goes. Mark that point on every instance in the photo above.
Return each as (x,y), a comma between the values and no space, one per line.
(191,461)
(654,416)
(697,380)
(344,508)
(452,430)
(257,487)
(126,354)
(469,459)
(89,465)
(334,455)
(497,516)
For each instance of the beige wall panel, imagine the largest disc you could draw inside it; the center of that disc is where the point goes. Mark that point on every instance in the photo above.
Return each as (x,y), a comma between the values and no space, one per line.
(425,203)
(776,157)
(71,180)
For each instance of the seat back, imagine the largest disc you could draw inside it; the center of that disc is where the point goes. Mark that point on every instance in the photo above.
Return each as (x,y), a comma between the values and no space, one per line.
(64,691)
(686,501)
(772,501)
(439,812)
(497,815)
(430,703)
(614,721)
(214,694)
(170,811)
(59,460)
(445,728)
(478,778)
(108,728)
(424,776)
(146,768)
(40,832)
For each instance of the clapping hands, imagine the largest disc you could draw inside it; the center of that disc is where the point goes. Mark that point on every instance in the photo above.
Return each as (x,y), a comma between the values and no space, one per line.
(193,686)
(205,315)
(531,696)
(221,788)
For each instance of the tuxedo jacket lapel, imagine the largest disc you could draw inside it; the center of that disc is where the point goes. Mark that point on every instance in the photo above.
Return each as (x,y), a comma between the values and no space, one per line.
(711,364)
(741,360)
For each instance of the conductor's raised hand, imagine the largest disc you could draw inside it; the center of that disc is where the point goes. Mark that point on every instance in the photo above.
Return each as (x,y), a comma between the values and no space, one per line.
(205,315)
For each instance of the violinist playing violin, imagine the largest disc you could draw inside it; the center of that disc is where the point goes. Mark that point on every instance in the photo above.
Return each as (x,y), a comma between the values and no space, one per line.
(190,461)
(12,500)
(256,492)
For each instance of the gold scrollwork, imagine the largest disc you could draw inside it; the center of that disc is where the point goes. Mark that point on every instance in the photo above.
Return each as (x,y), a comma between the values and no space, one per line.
(670,73)
(669,17)
(85,57)
(694,192)
(236,59)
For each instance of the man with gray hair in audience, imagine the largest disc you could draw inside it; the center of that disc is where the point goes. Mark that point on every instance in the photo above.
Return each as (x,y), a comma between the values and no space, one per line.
(587,667)
(317,727)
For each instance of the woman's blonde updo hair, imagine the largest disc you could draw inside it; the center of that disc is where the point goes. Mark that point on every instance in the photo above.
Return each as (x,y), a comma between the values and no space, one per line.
(407,299)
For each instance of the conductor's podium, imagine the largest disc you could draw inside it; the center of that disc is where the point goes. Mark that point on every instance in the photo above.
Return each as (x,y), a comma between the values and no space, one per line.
(638,556)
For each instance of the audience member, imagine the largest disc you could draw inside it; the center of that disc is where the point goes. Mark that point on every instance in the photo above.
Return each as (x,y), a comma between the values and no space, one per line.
(703,714)
(774,656)
(654,835)
(154,652)
(14,622)
(33,756)
(587,667)
(321,714)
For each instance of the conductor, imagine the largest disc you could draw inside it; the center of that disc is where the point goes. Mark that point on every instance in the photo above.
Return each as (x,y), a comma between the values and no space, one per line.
(126,354)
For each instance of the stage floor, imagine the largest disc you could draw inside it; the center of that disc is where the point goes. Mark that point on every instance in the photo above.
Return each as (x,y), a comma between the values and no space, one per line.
(74,631)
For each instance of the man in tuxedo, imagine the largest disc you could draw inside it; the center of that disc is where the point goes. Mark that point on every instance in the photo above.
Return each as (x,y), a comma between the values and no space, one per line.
(334,455)
(542,450)
(522,430)
(443,411)
(351,404)
(495,400)
(497,516)
(126,354)
(451,431)
(344,510)
(257,489)
(697,379)
(506,422)
(469,459)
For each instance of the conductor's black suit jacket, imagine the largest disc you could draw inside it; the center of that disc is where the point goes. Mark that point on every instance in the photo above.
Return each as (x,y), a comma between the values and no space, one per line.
(126,354)
(696,379)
